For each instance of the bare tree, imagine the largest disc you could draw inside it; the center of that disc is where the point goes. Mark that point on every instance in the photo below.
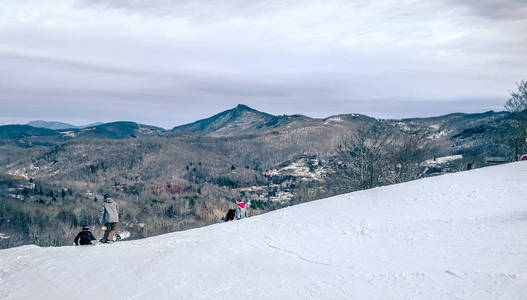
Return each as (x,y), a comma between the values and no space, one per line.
(362,156)
(517,104)
(518,100)
(407,156)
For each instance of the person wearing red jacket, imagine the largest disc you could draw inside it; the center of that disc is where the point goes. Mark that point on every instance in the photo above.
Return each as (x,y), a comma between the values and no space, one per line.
(241,211)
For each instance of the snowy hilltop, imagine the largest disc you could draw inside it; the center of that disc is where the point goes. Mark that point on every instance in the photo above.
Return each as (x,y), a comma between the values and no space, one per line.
(456,236)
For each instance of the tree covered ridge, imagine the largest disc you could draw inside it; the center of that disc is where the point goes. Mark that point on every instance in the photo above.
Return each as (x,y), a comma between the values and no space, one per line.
(180,181)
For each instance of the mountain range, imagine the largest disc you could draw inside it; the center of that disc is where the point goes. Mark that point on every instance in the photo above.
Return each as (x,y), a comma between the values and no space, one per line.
(190,175)
(247,136)
(58,125)
(245,120)
(255,139)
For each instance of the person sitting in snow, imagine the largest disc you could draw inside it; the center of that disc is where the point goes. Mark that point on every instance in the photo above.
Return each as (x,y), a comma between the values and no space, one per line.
(109,216)
(229,216)
(85,237)
(241,211)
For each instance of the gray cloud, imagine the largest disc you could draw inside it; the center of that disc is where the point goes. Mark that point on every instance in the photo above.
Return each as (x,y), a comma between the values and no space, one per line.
(219,9)
(495,9)
(79,65)
(199,10)
(170,62)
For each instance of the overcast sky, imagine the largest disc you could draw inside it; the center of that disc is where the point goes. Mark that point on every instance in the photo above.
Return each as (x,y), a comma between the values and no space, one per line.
(169,62)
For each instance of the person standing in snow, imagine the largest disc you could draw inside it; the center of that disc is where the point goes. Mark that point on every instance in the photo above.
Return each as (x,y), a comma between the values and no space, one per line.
(241,211)
(109,216)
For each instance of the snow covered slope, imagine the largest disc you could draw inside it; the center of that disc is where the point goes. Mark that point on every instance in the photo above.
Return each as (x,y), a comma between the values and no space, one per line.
(457,236)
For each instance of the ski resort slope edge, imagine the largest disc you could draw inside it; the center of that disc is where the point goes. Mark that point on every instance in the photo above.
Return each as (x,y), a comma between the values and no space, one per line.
(457,236)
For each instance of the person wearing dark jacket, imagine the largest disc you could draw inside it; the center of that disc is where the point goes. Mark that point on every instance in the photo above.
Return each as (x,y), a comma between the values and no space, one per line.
(109,216)
(230,215)
(84,237)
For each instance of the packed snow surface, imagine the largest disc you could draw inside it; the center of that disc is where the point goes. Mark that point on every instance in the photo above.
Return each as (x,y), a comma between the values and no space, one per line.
(457,236)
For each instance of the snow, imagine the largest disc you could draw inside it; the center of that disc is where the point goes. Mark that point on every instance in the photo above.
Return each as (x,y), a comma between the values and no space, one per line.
(300,168)
(282,197)
(442,160)
(25,172)
(335,119)
(456,236)
(68,133)
(18,173)
(439,134)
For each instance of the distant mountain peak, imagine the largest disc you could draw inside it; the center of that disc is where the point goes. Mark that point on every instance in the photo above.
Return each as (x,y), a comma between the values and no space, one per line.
(54,125)
(237,120)
(243,106)
(50,125)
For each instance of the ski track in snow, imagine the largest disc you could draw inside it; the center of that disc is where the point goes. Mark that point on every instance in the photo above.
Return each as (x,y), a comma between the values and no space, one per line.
(298,256)
(457,236)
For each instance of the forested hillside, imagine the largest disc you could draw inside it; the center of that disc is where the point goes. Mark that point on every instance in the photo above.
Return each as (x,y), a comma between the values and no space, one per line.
(165,180)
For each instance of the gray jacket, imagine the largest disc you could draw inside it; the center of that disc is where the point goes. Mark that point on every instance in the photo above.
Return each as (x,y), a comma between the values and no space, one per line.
(240,213)
(109,211)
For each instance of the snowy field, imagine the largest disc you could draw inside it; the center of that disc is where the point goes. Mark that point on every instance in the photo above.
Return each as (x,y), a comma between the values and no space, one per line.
(457,236)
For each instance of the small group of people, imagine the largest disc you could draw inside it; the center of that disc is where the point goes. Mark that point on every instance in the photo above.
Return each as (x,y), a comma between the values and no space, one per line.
(237,213)
(108,216)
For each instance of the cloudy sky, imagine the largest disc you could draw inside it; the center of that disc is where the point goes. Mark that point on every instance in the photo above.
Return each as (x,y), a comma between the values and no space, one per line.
(169,62)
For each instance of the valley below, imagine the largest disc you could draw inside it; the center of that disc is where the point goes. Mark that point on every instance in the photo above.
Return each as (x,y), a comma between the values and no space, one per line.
(52,180)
